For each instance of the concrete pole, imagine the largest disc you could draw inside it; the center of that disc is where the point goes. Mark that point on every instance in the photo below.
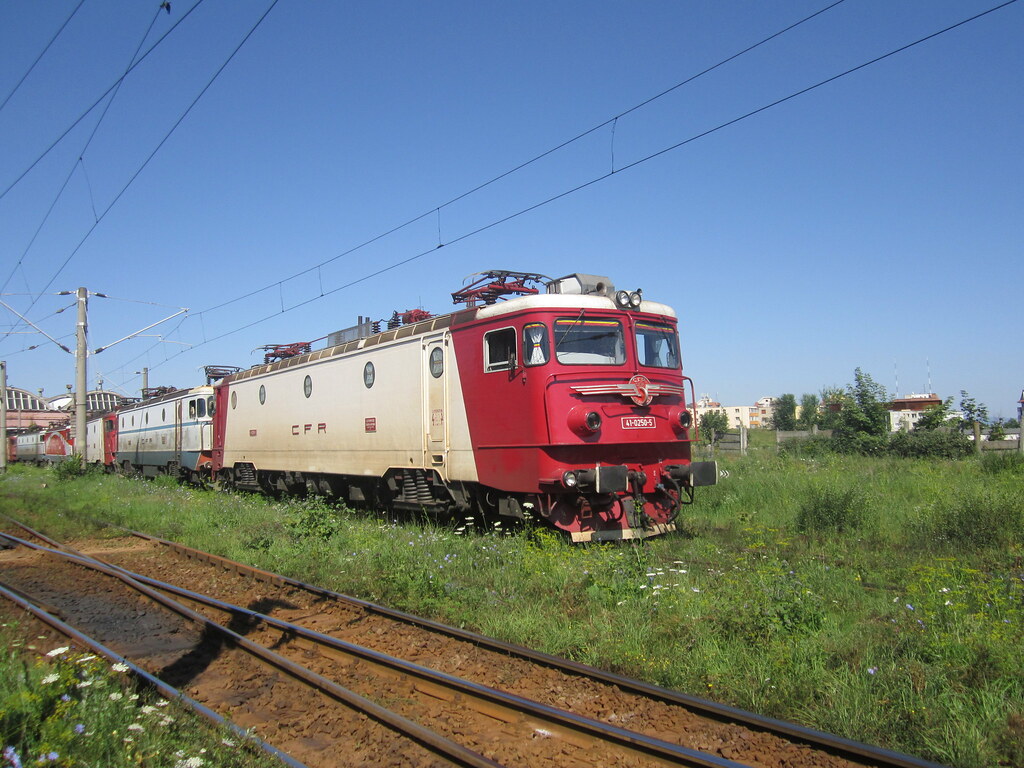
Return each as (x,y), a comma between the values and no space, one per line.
(145,382)
(81,374)
(3,416)
(1020,425)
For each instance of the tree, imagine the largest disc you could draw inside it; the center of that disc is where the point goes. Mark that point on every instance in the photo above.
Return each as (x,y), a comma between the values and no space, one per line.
(784,413)
(996,431)
(808,411)
(832,401)
(713,424)
(862,425)
(974,412)
(934,417)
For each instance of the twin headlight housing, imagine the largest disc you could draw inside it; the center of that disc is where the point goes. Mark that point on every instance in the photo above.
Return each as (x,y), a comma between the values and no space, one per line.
(629,299)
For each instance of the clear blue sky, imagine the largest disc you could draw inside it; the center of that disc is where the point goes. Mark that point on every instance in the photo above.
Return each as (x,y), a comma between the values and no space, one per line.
(875,221)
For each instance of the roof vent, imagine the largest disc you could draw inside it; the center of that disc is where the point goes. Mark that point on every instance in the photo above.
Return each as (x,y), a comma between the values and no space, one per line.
(579,284)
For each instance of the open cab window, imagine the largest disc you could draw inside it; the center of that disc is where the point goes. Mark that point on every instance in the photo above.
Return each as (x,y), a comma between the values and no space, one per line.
(500,349)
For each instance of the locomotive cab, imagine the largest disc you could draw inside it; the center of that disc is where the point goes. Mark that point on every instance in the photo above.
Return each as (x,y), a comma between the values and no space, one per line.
(576,404)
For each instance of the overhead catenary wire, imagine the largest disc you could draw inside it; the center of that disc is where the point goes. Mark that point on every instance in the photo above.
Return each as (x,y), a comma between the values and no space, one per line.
(96,103)
(436,210)
(600,178)
(114,89)
(152,154)
(41,54)
(81,160)
(610,121)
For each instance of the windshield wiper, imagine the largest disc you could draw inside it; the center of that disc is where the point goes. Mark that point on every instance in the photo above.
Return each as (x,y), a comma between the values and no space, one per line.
(575,322)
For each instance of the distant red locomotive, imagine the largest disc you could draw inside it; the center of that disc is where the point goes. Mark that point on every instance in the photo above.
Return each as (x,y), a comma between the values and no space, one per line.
(567,405)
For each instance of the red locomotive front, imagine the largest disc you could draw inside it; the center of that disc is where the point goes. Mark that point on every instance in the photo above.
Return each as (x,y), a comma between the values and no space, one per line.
(576,406)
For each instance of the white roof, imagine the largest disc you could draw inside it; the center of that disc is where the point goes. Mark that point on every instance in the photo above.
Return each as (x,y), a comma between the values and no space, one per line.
(565,301)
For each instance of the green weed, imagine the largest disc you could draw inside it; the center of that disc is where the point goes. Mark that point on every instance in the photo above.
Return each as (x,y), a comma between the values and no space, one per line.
(830,508)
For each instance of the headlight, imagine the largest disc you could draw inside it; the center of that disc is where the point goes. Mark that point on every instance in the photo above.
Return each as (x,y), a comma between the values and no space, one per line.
(584,422)
(569,479)
(680,418)
(635,298)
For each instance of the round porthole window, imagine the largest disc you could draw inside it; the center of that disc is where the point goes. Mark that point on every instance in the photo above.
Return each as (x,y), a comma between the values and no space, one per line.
(263,394)
(307,386)
(163,414)
(369,375)
(234,400)
(436,362)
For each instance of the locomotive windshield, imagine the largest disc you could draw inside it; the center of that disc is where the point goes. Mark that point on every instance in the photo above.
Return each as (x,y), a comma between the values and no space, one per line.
(657,345)
(579,341)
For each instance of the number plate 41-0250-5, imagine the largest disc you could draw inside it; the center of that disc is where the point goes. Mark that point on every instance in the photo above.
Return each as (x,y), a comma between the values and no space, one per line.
(638,422)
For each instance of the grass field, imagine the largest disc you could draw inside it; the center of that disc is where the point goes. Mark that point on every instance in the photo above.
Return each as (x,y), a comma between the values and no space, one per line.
(879,599)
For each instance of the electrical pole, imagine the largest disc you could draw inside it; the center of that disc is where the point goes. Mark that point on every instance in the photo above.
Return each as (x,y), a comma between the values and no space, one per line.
(3,416)
(145,381)
(81,374)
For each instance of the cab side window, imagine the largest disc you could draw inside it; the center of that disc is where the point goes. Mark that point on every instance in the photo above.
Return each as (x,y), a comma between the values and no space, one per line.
(499,349)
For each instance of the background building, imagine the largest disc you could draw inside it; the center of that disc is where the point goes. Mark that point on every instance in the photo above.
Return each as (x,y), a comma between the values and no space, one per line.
(755,416)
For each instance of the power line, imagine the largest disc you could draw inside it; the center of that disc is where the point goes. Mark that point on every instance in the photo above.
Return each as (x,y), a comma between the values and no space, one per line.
(43,53)
(84,149)
(81,117)
(592,181)
(158,147)
(541,156)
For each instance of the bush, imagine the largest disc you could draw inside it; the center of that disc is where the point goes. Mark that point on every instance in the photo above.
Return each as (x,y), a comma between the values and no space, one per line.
(313,518)
(861,443)
(830,508)
(70,468)
(811,447)
(997,462)
(979,518)
(936,444)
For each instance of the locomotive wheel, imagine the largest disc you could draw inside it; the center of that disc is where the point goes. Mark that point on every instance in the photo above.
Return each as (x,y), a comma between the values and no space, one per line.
(225,481)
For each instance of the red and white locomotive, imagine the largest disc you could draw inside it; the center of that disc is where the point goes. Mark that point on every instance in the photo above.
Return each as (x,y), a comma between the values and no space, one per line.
(568,405)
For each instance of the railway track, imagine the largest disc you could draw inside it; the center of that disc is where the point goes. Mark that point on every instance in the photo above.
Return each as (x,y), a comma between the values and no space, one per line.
(433,693)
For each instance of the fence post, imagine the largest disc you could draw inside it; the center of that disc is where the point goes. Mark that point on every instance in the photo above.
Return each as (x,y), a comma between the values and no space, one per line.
(977,437)
(743,440)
